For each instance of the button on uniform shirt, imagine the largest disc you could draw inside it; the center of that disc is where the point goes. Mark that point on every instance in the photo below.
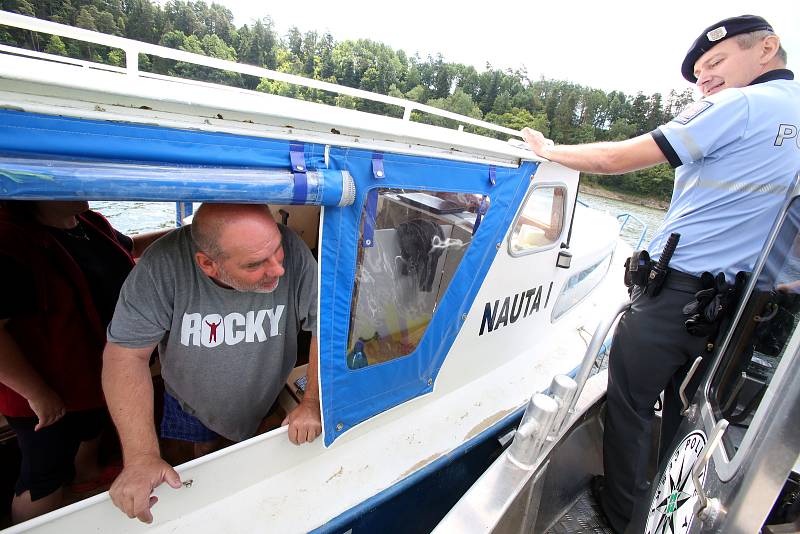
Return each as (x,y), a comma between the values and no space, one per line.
(736,155)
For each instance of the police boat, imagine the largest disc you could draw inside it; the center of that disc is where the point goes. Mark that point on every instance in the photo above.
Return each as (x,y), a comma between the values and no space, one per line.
(458,275)
(734,466)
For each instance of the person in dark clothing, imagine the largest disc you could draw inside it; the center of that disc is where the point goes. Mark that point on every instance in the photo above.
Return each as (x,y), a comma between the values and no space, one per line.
(62,266)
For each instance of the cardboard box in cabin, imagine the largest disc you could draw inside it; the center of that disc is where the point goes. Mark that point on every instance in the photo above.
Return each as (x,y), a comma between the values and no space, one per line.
(304,220)
(291,394)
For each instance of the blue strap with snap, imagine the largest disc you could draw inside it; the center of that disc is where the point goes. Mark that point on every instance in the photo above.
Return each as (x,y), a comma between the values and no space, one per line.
(297,157)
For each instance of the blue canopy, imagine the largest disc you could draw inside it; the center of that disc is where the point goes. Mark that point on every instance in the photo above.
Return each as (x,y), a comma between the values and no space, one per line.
(49,157)
(350,396)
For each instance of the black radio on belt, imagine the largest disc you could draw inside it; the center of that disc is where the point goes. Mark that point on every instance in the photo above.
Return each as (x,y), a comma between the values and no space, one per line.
(637,268)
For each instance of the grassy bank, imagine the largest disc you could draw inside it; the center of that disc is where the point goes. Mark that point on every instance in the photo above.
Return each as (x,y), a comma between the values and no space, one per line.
(594,189)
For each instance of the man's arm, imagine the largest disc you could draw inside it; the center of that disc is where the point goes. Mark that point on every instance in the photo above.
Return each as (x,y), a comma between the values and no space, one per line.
(128,388)
(305,421)
(17,373)
(616,157)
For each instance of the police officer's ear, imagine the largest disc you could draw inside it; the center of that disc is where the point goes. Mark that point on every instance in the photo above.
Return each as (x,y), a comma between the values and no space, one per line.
(207,264)
(769,47)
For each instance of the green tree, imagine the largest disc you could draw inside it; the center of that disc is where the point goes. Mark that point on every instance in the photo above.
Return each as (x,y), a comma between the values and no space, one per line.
(183,17)
(116,58)
(638,113)
(258,45)
(566,112)
(488,88)
(140,20)
(56,46)
(621,130)
(294,42)
(417,94)
(517,119)
(459,102)
(655,115)
(218,20)
(105,23)
(325,52)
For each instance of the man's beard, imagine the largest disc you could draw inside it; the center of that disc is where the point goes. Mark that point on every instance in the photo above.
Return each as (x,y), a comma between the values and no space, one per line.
(257,287)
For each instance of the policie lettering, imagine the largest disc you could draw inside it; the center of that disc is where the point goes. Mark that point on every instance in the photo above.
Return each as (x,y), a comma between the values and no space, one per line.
(214,329)
(511,311)
(786,132)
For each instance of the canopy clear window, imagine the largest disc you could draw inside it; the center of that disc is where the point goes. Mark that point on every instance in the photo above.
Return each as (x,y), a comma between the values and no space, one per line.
(541,220)
(411,244)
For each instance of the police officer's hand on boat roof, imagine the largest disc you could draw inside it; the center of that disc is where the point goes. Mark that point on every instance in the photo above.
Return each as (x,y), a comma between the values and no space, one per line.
(537,141)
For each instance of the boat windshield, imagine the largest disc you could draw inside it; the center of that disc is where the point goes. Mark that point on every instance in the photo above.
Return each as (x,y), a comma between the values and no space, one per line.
(762,335)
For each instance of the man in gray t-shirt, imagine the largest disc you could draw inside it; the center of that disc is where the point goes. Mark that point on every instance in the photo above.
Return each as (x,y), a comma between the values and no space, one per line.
(224,300)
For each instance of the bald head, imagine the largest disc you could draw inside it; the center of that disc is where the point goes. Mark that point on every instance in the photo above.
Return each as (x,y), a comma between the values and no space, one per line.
(215,227)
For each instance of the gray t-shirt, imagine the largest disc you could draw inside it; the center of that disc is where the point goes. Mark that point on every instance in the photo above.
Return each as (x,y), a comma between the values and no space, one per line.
(224,354)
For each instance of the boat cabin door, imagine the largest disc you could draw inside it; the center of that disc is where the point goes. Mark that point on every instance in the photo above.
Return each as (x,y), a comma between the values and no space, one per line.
(733,467)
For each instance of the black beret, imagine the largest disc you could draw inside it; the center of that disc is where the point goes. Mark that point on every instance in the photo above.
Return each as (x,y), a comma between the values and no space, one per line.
(717,33)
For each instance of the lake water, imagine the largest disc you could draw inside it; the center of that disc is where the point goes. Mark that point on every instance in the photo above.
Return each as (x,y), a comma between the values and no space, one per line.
(650,217)
(137,217)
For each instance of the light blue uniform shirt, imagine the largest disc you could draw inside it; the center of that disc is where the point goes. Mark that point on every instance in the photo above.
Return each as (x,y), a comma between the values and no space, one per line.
(736,155)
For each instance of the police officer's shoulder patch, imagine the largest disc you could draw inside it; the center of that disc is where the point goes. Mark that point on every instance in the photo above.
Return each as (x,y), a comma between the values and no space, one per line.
(692,110)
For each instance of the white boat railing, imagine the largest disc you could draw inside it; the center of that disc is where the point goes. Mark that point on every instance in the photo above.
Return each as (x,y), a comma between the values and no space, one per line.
(518,472)
(546,417)
(623,218)
(132,49)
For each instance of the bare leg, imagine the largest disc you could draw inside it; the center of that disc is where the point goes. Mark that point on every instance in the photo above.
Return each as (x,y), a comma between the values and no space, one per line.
(205,447)
(22,508)
(86,464)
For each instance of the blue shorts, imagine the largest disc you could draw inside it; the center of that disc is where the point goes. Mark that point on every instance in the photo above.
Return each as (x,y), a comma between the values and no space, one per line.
(177,424)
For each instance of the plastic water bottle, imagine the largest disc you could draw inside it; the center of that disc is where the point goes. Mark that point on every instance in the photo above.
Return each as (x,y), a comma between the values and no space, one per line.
(357,359)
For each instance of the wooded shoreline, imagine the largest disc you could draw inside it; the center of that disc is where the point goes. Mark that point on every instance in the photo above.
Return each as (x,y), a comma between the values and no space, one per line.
(599,191)
(565,112)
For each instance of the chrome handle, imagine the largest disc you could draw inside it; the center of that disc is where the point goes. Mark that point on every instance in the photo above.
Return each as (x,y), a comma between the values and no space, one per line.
(705,508)
(590,355)
(685,384)
(532,432)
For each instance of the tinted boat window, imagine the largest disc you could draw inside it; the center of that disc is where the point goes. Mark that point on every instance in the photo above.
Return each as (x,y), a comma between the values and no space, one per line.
(411,244)
(761,337)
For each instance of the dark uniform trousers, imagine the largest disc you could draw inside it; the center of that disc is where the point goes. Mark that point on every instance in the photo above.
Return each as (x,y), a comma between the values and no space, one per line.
(651,352)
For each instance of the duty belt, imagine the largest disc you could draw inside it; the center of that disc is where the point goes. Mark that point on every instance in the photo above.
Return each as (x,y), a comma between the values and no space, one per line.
(680,281)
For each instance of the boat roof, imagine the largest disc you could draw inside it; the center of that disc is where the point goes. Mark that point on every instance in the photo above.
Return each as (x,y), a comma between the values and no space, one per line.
(43,83)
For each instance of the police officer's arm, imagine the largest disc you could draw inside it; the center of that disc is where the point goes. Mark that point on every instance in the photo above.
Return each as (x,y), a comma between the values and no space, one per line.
(128,388)
(599,158)
(305,422)
(17,373)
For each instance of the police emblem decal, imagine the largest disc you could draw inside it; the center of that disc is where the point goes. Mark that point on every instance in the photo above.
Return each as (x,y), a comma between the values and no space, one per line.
(692,110)
(672,508)
(717,33)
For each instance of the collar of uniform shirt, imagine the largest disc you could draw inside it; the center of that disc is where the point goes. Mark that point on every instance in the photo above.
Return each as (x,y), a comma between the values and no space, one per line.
(777,74)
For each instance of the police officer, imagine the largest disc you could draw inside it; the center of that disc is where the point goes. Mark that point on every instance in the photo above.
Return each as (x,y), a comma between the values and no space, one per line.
(736,153)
